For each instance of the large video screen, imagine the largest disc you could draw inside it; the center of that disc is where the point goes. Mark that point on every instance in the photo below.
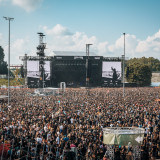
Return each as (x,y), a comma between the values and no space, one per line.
(47,70)
(33,69)
(111,70)
(34,72)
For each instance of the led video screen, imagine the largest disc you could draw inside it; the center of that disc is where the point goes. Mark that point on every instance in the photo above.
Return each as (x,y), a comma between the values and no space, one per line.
(111,70)
(47,70)
(34,71)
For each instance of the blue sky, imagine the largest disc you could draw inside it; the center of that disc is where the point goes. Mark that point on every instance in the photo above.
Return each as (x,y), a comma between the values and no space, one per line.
(70,24)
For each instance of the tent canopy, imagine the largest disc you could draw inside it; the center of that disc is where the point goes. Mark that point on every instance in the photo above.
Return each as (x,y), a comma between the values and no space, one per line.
(123,136)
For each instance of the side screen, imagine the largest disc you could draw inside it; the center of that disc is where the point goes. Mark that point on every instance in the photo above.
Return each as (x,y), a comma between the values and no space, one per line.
(33,69)
(47,70)
(34,72)
(111,70)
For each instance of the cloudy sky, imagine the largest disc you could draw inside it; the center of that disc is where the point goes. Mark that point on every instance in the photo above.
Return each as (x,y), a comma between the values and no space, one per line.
(70,24)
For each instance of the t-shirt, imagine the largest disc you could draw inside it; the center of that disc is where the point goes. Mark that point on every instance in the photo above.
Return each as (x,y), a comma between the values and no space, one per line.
(57,140)
(71,120)
(39,140)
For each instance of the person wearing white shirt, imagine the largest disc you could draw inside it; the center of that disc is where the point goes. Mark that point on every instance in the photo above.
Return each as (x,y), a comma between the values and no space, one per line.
(45,128)
(61,128)
(72,120)
(39,139)
(58,140)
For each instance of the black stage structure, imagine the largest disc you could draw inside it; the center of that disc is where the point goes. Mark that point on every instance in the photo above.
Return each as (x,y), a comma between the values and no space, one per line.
(73,68)
(102,71)
(37,69)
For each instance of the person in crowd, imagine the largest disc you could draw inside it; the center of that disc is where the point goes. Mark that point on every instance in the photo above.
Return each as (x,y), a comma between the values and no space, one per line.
(36,127)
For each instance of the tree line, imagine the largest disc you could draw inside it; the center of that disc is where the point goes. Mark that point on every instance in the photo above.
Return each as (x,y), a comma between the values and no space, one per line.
(139,70)
(3,64)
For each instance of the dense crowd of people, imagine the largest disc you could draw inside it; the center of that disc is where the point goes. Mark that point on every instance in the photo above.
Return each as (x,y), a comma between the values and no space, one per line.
(46,127)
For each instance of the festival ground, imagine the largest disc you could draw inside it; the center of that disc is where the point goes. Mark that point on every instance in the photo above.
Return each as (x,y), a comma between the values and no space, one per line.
(41,127)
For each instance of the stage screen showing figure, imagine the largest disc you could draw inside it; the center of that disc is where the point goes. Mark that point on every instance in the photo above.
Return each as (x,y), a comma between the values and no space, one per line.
(33,69)
(34,72)
(47,70)
(111,70)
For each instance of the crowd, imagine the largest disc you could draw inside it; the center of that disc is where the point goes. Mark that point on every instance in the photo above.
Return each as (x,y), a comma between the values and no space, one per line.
(46,127)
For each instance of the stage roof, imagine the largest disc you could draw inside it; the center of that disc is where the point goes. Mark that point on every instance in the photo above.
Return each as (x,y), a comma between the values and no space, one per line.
(72,53)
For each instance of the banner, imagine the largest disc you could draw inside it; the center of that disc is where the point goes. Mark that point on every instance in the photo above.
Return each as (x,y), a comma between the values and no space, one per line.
(122,139)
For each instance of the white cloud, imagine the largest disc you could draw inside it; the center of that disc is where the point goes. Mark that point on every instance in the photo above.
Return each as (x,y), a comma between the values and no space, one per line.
(64,40)
(117,49)
(102,48)
(18,45)
(27,5)
(18,48)
(150,46)
(60,38)
(57,30)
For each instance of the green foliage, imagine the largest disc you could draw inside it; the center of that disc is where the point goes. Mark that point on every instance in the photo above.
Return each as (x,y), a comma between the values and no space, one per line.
(153,63)
(1,54)
(139,70)
(3,64)
(3,67)
(139,73)
(13,82)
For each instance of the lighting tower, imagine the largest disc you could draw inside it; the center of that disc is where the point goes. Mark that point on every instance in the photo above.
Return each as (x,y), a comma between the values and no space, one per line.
(87,58)
(124,68)
(40,52)
(9,19)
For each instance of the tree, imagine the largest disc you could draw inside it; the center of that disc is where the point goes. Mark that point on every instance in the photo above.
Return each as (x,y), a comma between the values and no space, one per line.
(1,54)
(153,63)
(3,68)
(139,73)
(3,64)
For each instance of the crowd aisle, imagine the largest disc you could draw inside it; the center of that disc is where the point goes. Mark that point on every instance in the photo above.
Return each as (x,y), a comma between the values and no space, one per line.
(36,127)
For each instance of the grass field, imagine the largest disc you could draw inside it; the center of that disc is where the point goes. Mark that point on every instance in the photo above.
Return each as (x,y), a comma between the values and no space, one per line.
(13,82)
